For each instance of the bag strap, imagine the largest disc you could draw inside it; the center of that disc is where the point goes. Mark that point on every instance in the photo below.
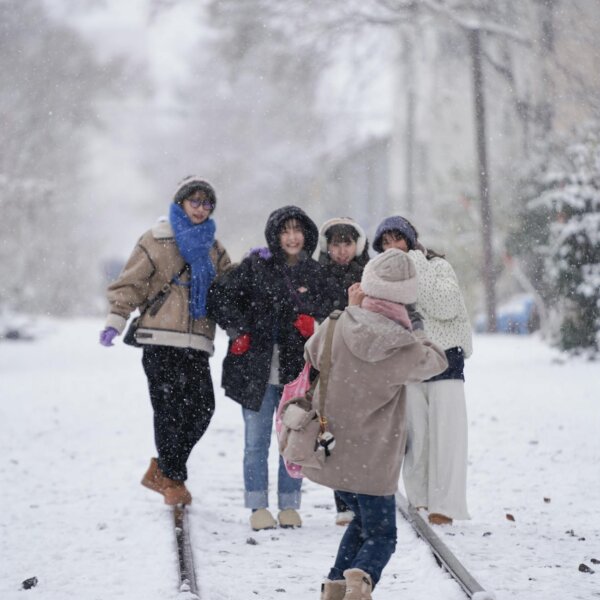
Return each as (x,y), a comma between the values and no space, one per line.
(325,367)
(162,294)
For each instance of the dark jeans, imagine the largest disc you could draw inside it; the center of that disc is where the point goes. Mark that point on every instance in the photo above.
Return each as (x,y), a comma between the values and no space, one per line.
(370,539)
(182,397)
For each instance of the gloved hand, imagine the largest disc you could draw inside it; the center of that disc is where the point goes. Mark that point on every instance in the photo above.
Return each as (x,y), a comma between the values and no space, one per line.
(262,252)
(107,336)
(416,318)
(240,345)
(305,324)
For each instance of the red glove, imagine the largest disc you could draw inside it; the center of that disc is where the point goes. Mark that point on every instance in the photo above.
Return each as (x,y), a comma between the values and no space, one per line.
(305,324)
(240,345)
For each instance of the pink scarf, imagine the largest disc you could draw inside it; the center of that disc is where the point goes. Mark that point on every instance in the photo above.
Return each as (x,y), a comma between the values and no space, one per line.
(392,310)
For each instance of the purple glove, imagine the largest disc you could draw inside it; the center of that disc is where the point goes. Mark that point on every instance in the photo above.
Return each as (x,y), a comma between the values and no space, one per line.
(263,253)
(108,335)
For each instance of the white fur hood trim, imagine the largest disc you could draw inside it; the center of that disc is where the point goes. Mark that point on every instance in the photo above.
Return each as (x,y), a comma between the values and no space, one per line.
(360,242)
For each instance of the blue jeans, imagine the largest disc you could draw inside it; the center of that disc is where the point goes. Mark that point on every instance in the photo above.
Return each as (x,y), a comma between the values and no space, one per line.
(257,440)
(370,539)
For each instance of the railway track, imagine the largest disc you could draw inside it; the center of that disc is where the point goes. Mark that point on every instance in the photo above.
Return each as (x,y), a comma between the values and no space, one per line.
(444,557)
(187,574)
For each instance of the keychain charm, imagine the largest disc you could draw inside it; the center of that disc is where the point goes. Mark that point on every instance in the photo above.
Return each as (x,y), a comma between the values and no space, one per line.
(326,441)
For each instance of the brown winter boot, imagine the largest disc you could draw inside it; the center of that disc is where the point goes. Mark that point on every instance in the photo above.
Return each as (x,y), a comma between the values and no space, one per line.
(154,479)
(439,519)
(177,493)
(174,492)
(358,585)
(333,590)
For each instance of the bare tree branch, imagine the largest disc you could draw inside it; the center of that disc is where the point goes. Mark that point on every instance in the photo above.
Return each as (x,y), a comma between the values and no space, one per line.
(472,23)
(503,70)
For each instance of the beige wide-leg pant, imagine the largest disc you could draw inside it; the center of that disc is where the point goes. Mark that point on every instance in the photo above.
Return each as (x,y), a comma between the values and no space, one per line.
(435,466)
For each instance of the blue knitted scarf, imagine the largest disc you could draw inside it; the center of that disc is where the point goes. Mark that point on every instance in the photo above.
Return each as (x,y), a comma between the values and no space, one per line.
(194,243)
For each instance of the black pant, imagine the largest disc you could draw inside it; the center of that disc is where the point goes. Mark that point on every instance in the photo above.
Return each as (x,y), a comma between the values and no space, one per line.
(183,400)
(340,505)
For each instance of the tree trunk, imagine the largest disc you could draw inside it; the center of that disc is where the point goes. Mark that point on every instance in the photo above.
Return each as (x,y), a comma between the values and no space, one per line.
(488,270)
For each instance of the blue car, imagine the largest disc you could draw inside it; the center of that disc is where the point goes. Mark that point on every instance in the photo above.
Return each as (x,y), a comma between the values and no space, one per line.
(519,315)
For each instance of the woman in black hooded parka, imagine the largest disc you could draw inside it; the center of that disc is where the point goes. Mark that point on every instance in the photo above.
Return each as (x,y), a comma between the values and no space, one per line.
(268,305)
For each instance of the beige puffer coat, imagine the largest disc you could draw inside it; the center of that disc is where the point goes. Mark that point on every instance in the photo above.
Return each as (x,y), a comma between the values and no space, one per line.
(373,358)
(152,264)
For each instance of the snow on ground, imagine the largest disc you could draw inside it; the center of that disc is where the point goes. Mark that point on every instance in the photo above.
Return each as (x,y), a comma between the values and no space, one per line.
(76,437)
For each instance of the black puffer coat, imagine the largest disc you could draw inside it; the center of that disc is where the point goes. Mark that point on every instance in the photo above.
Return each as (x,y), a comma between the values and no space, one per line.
(263,297)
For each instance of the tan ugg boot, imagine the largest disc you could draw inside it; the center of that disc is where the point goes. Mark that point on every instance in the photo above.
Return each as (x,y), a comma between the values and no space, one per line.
(153,478)
(262,519)
(174,492)
(177,493)
(358,585)
(439,519)
(333,590)
(289,518)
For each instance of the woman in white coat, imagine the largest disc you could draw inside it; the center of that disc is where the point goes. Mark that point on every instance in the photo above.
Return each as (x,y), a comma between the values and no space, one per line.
(435,465)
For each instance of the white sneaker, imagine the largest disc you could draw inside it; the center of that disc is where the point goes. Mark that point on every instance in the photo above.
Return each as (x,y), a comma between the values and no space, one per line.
(343,518)
(262,519)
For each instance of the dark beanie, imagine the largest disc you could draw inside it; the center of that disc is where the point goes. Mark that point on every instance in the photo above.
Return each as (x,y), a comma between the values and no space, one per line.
(399,224)
(192,184)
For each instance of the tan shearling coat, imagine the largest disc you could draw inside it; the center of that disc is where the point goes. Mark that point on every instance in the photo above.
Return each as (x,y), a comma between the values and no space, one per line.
(153,263)
(373,358)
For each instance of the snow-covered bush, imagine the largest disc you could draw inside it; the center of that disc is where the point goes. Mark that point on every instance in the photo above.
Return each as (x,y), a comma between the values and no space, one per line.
(560,225)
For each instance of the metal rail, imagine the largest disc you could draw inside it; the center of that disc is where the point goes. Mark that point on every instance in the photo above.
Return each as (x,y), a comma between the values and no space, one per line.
(187,576)
(441,552)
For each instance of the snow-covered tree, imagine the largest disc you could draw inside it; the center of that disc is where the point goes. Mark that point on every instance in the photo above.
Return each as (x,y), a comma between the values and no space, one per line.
(561,225)
(50,82)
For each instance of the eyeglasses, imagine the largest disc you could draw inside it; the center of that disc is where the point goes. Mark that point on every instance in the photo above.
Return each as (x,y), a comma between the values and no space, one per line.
(207,204)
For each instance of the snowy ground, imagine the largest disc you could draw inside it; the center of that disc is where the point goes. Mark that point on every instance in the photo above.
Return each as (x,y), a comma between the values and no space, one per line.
(75,438)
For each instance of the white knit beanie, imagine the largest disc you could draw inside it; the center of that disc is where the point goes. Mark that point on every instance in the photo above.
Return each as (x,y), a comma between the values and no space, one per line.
(392,276)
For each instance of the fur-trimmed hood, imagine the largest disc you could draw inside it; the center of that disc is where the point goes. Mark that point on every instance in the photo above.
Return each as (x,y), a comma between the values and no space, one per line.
(360,242)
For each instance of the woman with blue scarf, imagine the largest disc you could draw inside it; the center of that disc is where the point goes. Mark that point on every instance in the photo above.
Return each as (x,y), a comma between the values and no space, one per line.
(167,277)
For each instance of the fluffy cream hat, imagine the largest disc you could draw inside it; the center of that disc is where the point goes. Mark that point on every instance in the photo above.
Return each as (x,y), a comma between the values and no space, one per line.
(392,276)
(360,242)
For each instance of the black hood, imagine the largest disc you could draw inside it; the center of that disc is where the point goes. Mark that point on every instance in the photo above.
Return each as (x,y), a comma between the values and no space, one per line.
(280,216)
